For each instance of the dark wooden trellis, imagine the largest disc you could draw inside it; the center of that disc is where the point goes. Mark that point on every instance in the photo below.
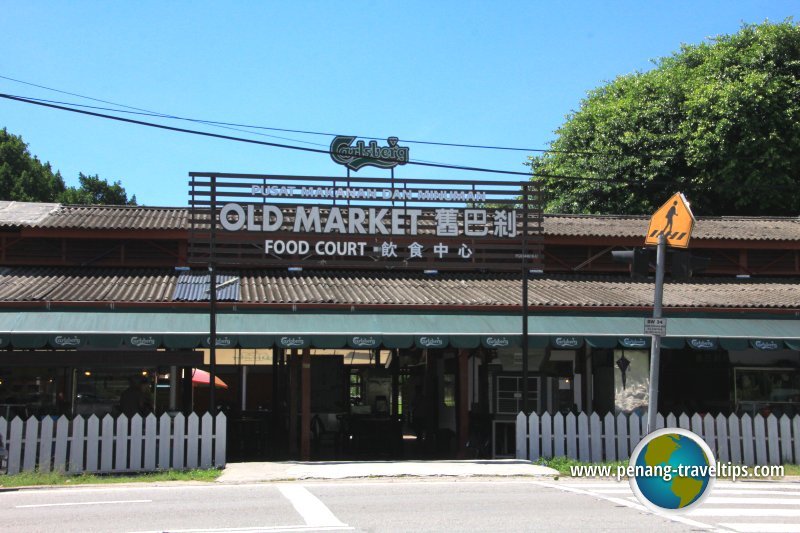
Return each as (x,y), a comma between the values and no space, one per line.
(210,242)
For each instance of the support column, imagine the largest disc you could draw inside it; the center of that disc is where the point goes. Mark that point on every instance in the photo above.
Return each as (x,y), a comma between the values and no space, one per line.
(462,404)
(292,391)
(305,406)
(244,387)
(173,388)
(395,368)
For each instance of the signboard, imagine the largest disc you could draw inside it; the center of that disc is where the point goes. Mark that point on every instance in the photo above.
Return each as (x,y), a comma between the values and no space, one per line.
(655,326)
(674,220)
(362,155)
(320,222)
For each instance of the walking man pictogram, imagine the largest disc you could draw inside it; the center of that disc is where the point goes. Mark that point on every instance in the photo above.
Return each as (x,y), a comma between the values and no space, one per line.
(672,213)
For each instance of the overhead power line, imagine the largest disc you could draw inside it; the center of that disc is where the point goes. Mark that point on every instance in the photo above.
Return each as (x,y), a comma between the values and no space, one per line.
(233,125)
(275,145)
(325,151)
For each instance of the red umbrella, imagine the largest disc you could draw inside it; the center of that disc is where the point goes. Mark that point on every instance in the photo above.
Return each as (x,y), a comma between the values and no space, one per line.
(201,377)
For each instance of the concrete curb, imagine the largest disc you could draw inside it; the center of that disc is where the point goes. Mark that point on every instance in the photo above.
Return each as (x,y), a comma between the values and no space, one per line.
(254,472)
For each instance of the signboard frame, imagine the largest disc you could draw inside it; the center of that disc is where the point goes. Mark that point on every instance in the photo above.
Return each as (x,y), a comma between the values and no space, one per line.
(280,221)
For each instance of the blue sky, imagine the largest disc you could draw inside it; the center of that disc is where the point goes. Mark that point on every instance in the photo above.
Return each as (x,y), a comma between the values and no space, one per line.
(494,73)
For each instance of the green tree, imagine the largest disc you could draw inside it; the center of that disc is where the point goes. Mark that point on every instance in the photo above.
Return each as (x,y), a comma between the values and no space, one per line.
(718,121)
(26,179)
(94,190)
(22,176)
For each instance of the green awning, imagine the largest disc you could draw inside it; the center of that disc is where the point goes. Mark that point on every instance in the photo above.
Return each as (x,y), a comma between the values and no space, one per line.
(182,342)
(256,341)
(734,345)
(149,330)
(28,341)
(602,342)
(329,341)
(398,341)
(465,341)
(673,343)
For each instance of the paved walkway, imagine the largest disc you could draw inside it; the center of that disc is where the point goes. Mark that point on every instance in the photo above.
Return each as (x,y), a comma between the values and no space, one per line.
(250,472)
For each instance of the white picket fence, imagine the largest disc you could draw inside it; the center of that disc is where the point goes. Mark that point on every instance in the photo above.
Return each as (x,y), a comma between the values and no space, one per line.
(739,439)
(114,444)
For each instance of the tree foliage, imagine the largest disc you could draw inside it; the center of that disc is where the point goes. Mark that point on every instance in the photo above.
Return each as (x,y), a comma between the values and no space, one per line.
(718,121)
(22,176)
(94,190)
(26,179)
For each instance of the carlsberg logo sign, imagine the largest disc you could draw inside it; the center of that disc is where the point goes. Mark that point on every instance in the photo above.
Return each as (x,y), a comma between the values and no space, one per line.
(362,155)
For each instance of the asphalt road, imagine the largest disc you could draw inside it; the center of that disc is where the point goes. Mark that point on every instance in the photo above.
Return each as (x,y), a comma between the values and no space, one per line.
(370,505)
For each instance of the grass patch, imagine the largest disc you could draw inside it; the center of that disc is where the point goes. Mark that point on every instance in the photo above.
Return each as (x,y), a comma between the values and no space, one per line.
(563,464)
(28,479)
(791,470)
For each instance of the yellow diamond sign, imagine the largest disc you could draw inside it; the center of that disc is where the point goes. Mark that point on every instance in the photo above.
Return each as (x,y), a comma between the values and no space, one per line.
(674,220)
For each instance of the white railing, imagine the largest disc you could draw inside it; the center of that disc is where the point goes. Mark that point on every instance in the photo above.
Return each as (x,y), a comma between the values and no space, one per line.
(739,439)
(141,444)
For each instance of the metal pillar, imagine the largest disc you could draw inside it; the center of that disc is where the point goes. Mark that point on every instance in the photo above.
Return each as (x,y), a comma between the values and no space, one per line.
(212,287)
(655,349)
(525,392)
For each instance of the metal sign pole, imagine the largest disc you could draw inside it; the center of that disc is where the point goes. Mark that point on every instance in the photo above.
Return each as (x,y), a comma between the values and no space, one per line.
(525,392)
(655,350)
(212,276)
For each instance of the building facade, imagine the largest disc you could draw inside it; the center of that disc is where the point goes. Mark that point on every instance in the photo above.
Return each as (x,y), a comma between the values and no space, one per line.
(360,362)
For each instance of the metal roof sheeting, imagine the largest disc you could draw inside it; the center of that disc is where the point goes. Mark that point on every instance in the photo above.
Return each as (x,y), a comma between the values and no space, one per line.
(194,287)
(24,214)
(55,216)
(117,217)
(26,284)
(724,228)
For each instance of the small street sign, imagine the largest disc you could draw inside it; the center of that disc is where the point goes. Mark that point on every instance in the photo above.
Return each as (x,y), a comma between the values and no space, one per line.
(655,326)
(675,220)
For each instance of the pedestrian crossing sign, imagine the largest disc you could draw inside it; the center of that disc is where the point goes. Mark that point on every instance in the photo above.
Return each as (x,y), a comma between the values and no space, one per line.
(675,220)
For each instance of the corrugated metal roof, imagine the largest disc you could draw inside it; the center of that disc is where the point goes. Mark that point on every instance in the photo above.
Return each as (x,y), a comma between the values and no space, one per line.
(726,228)
(117,217)
(56,216)
(18,284)
(24,213)
(86,285)
(194,287)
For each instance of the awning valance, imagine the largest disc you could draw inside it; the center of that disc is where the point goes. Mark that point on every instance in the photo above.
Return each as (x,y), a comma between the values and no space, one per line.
(147,331)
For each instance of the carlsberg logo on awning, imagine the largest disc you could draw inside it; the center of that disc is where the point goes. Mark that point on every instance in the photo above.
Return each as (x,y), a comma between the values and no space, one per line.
(364,342)
(62,340)
(362,155)
(702,344)
(289,342)
(497,342)
(635,342)
(141,342)
(431,342)
(766,345)
(567,342)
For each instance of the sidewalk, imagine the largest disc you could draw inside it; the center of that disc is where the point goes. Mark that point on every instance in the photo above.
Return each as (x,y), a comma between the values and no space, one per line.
(252,472)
